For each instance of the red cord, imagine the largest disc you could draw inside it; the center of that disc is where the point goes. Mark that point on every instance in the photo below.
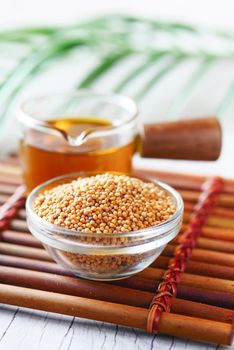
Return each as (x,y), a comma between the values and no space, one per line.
(172,276)
(9,210)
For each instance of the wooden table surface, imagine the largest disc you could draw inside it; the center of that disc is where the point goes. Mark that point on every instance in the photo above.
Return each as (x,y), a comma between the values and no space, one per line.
(24,329)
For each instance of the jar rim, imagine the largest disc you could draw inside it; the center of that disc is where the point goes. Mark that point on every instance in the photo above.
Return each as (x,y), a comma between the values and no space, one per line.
(148,232)
(126,102)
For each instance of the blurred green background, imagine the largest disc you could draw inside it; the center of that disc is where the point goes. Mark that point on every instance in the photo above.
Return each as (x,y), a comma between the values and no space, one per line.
(173,70)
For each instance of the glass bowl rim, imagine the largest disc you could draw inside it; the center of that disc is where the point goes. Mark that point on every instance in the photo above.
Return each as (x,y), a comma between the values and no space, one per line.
(27,118)
(142,233)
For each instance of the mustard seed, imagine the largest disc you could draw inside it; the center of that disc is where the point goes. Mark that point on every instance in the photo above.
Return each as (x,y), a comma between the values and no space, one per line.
(103,206)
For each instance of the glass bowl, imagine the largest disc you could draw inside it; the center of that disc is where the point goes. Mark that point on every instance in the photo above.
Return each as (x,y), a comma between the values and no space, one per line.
(107,256)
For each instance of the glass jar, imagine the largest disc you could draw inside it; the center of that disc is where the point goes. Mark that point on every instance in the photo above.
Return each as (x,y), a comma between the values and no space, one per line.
(79,131)
(106,256)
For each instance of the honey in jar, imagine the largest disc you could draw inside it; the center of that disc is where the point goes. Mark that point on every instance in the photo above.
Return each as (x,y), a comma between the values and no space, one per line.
(72,145)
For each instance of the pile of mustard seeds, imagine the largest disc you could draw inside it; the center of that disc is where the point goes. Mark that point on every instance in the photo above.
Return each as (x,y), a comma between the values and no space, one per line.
(105,204)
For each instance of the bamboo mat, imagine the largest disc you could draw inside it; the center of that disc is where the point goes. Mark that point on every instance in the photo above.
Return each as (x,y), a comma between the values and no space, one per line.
(202,308)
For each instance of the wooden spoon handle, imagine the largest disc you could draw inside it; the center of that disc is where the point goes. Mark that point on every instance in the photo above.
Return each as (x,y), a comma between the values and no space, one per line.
(194,139)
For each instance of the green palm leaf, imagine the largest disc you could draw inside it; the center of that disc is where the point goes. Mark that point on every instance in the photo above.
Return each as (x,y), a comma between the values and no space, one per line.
(112,40)
(136,72)
(158,76)
(190,84)
(102,68)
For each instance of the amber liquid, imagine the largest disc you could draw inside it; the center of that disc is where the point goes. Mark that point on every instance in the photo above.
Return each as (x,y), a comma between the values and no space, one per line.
(44,159)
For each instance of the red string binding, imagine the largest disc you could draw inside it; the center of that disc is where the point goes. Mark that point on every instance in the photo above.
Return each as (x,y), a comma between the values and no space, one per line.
(177,265)
(9,209)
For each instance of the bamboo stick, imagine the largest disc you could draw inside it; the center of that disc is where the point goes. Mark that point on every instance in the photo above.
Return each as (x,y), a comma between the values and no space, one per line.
(220,246)
(221,254)
(19,225)
(22,214)
(10,179)
(216,233)
(223,199)
(27,252)
(199,268)
(204,255)
(211,297)
(210,244)
(28,240)
(185,292)
(198,281)
(188,279)
(20,238)
(7,189)
(172,324)
(33,264)
(11,159)
(212,220)
(3,198)
(10,169)
(194,267)
(179,180)
(106,292)
(218,221)
(197,255)
(217,245)
(217,211)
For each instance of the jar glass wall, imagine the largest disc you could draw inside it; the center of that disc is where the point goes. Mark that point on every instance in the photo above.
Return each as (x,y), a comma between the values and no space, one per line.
(80,131)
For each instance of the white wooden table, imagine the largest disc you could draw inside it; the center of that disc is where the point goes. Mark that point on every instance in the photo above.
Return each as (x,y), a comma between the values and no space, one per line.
(24,329)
